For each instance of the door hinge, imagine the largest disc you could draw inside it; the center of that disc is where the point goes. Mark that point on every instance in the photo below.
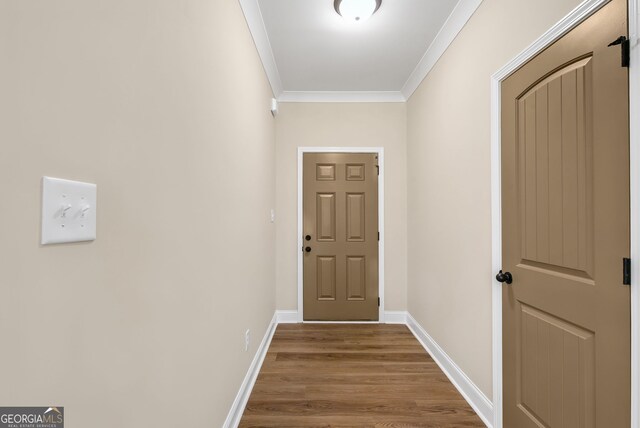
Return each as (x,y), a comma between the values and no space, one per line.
(378,236)
(624,50)
(378,302)
(626,271)
(378,169)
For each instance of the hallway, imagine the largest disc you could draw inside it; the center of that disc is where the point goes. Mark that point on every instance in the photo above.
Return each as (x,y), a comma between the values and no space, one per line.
(365,375)
(160,294)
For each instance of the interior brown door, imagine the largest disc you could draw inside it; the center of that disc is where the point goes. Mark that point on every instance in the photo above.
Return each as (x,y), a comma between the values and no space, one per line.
(340,227)
(565,181)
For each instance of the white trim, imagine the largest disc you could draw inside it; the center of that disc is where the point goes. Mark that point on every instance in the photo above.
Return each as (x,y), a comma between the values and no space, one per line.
(461,13)
(240,402)
(474,396)
(459,17)
(470,392)
(395,317)
(287,317)
(566,24)
(253,16)
(340,322)
(380,152)
(342,97)
(575,17)
(496,251)
(634,137)
(390,317)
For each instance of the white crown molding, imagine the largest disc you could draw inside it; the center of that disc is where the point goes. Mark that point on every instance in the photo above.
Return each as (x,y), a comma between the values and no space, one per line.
(452,26)
(341,97)
(253,16)
(454,23)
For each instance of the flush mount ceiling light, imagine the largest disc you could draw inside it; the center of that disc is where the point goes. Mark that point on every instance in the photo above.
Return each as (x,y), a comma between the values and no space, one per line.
(356,10)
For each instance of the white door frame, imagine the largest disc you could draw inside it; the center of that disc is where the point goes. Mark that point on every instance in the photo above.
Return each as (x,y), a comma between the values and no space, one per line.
(579,14)
(380,152)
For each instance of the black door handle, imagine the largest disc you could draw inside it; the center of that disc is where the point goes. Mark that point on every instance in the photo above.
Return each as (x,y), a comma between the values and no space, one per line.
(307,249)
(307,238)
(504,277)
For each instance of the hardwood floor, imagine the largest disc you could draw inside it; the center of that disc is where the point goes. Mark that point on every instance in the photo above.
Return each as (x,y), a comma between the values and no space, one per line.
(352,375)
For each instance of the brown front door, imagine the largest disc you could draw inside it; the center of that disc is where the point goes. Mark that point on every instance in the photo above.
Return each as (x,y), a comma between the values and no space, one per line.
(340,236)
(565,213)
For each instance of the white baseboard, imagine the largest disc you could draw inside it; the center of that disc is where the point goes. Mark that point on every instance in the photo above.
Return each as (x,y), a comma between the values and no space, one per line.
(237,408)
(287,317)
(390,317)
(395,317)
(476,398)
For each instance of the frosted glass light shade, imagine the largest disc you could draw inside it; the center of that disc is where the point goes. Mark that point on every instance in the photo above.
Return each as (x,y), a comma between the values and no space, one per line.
(356,10)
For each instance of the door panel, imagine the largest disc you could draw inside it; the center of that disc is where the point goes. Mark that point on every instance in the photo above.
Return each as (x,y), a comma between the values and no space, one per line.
(556,188)
(325,172)
(326,216)
(355,172)
(356,278)
(355,217)
(565,181)
(326,282)
(556,369)
(340,207)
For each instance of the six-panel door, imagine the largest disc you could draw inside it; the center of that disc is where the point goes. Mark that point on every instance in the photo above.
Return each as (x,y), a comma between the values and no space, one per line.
(340,228)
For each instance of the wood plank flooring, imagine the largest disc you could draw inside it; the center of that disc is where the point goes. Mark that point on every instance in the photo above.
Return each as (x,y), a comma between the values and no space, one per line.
(352,375)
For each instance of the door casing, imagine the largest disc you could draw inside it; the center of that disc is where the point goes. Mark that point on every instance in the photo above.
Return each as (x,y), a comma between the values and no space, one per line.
(380,152)
(575,17)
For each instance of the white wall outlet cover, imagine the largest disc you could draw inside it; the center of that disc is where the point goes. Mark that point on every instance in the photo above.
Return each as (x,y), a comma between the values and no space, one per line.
(68,211)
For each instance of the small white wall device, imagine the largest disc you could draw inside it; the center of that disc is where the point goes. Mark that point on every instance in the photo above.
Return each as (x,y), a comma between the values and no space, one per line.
(68,211)
(274,107)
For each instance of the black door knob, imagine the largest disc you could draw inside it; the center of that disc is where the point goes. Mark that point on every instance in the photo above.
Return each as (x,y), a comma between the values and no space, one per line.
(307,238)
(307,249)
(504,277)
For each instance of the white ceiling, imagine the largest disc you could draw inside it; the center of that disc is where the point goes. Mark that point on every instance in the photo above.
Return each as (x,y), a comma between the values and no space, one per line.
(307,48)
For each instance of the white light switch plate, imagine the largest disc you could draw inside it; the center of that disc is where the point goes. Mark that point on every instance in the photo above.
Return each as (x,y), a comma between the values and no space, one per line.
(68,211)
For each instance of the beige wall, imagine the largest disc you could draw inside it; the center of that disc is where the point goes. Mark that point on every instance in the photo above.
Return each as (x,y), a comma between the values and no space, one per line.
(165,106)
(449,249)
(341,125)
